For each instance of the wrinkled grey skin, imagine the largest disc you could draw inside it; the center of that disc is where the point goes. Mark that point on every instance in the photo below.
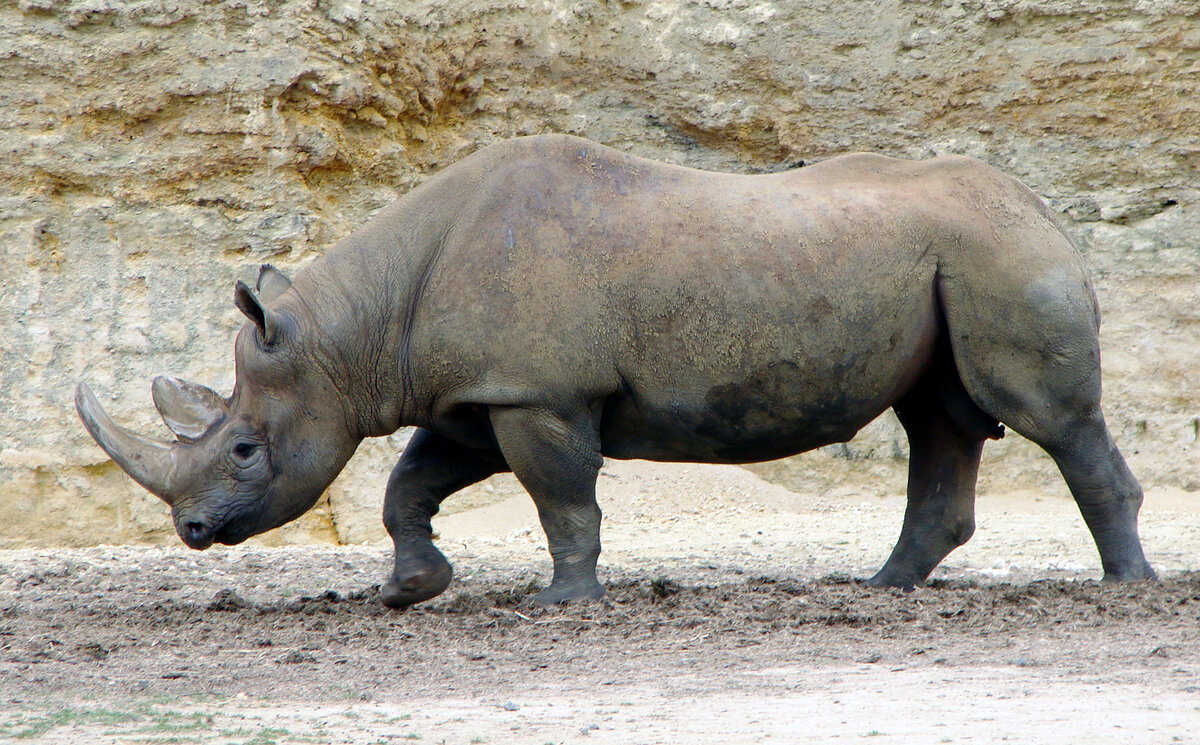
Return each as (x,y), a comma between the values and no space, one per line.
(548,301)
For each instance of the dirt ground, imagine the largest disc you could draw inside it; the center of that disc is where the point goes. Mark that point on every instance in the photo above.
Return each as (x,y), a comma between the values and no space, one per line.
(733,616)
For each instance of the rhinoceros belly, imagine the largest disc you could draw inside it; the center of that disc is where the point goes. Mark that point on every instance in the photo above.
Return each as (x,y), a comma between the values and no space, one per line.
(781,408)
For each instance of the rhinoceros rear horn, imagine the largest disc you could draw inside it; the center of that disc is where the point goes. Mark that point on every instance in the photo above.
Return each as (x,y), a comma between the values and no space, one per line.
(271,283)
(150,463)
(188,409)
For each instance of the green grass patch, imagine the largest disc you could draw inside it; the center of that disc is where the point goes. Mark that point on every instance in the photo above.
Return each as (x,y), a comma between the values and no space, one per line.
(146,720)
(271,736)
(151,724)
(30,726)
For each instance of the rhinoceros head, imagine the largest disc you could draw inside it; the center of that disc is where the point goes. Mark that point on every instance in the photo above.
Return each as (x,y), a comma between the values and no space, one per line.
(249,463)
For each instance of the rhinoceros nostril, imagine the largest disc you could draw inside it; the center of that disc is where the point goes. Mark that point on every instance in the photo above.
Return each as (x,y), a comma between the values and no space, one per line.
(195,532)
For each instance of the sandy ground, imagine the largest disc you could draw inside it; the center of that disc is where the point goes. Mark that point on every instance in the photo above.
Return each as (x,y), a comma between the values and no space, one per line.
(733,617)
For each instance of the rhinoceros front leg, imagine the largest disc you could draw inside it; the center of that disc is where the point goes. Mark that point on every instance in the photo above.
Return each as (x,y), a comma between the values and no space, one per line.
(557,458)
(430,469)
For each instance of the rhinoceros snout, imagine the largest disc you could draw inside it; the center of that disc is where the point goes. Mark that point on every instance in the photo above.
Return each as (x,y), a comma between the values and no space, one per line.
(196,534)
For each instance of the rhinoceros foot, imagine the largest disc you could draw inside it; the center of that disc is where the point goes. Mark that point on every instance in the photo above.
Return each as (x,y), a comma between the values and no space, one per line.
(1136,572)
(416,580)
(564,592)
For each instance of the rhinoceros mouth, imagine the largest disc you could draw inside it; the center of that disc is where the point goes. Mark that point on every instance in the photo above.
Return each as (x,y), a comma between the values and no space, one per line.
(231,537)
(200,528)
(200,536)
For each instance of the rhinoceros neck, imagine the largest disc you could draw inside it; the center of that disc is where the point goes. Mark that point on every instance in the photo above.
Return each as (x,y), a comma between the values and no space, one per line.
(361,297)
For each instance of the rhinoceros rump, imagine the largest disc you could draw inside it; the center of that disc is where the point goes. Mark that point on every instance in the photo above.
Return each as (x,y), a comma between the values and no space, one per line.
(549,301)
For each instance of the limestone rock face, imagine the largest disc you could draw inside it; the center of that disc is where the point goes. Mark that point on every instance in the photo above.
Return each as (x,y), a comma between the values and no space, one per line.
(156,151)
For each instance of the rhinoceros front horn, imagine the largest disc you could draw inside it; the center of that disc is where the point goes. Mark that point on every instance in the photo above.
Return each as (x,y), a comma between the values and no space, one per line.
(150,463)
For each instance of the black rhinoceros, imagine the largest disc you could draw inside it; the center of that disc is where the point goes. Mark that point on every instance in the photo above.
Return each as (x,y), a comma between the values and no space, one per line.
(549,301)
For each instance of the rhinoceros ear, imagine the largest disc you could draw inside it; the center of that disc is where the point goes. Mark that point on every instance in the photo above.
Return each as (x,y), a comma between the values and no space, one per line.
(271,283)
(188,409)
(262,316)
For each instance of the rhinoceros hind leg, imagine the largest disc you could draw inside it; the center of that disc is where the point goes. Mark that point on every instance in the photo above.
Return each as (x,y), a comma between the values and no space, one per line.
(1108,495)
(1075,435)
(942,469)
(431,469)
(556,457)
(1039,373)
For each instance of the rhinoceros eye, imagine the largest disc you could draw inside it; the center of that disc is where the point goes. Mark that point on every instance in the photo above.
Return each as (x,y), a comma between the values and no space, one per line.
(245,450)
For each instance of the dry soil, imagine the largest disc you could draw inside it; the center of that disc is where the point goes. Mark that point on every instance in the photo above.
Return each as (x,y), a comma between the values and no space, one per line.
(735,618)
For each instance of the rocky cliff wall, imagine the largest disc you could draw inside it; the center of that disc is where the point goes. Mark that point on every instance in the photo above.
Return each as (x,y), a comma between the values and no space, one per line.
(155,151)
